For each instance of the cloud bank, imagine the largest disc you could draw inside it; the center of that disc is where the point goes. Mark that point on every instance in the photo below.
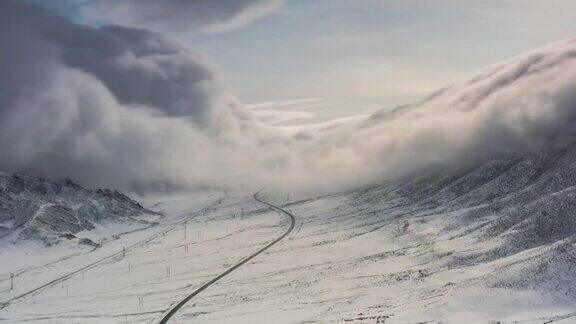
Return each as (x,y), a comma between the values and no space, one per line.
(107,105)
(525,104)
(128,108)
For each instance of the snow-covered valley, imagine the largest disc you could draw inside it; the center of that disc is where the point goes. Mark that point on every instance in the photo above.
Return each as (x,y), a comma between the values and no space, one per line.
(335,162)
(438,248)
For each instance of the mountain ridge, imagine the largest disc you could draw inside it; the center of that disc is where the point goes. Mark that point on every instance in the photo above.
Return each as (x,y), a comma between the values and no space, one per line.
(48,211)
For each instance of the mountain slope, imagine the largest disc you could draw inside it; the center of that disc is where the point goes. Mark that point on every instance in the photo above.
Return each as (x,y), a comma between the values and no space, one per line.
(488,242)
(33,208)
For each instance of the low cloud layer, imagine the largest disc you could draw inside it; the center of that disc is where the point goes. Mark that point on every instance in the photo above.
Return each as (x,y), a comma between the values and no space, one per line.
(128,108)
(524,104)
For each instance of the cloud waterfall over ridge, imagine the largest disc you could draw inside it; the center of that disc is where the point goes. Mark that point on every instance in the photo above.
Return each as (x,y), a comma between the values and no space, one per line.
(525,104)
(128,108)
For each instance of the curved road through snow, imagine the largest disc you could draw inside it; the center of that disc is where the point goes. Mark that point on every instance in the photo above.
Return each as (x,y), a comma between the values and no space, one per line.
(183,302)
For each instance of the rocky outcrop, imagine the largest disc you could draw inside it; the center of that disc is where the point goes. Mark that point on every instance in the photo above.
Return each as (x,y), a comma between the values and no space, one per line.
(50,211)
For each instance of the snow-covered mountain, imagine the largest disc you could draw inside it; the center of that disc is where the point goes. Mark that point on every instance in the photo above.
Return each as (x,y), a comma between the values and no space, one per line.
(476,223)
(513,214)
(491,242)
(33,208)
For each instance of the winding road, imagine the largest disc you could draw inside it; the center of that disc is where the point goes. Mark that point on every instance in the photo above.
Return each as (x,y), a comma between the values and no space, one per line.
(183,302)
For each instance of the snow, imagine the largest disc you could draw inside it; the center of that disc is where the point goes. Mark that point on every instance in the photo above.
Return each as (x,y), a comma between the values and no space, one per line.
(345,261)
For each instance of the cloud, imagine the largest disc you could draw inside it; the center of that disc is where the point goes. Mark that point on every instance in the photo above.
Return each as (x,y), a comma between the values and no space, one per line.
(127,108)
(180,16)
(102,105)
(524,104)
(311,111)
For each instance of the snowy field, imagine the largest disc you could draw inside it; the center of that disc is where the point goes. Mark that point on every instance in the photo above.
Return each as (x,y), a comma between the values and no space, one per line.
(348,259)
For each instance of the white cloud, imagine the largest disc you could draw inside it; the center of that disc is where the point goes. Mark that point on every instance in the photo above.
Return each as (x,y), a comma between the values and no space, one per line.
(169,122)
(180,16)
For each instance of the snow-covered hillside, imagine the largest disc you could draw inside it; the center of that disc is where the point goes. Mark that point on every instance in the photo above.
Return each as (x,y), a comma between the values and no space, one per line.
(492,242)
(32,208)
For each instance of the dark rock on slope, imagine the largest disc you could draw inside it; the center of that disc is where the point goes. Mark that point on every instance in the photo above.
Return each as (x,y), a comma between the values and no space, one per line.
(49,211)
(522,206)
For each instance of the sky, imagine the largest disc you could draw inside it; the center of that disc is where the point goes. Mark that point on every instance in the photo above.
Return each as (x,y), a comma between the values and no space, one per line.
(288,94)
(386,51)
